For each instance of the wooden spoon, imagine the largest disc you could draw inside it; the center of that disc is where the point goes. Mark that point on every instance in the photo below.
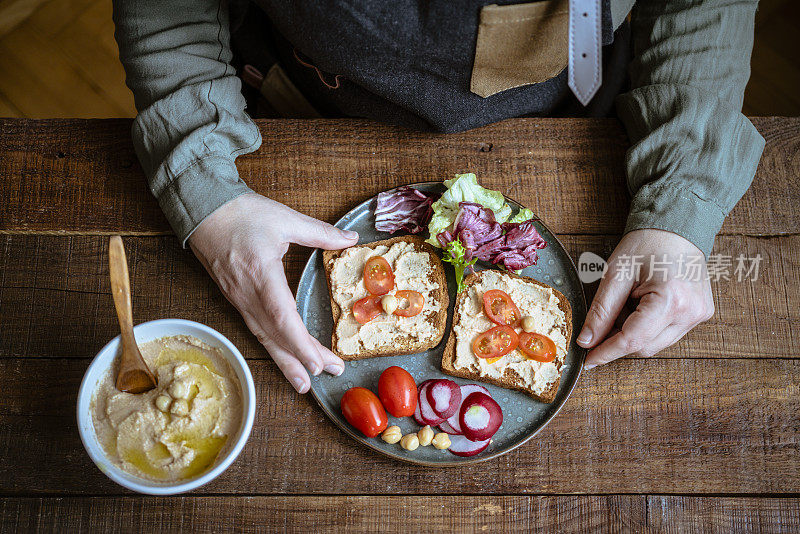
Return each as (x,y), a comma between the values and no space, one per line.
(133,375)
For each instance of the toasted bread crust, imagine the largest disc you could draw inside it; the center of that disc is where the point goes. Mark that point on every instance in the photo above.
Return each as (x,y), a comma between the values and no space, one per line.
(509,380)
(408,345)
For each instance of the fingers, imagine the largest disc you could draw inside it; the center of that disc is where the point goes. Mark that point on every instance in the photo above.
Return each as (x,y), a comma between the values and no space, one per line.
(282,322)
(671,335)
(650,318)
(606,306)
(290,366)
(311,232)
(332,363)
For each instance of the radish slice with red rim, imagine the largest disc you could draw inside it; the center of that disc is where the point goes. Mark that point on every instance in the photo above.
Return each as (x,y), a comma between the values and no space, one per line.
(453,421)
(480,416)
(472,389)
(426,413)
(447,427)
(444,396)
(461,446)
(417,415)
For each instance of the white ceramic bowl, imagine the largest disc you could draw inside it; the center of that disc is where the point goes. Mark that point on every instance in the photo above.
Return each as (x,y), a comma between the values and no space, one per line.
(146,332)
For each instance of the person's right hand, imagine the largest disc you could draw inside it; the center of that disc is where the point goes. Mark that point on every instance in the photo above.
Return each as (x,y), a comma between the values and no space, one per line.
(241,245)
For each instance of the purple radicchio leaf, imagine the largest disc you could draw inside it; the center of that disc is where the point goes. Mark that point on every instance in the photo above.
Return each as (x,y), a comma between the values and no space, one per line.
(404,208)
(479,221)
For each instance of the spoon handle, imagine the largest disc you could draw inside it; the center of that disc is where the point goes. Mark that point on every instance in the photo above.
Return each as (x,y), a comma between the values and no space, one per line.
(120,287)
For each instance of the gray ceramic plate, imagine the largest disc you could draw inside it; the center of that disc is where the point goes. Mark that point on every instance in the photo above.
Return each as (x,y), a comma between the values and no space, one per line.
(523,417)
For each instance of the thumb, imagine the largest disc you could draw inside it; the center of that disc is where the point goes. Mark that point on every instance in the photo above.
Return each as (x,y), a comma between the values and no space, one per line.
(607,304)
(311,232)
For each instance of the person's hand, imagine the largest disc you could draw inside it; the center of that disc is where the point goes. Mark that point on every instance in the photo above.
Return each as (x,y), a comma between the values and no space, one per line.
(241,245)
(667,274)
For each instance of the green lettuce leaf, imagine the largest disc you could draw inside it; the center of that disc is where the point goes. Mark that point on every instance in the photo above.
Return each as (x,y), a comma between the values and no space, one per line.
(454,254)
(464,188)
(523,215)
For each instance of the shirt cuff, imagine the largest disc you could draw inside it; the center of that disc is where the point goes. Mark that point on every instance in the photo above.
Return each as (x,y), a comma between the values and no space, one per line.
(198,191)
(676,210)
(692,158)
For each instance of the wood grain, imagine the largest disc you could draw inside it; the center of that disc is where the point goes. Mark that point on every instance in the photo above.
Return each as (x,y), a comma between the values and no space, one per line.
(637,426)
(73,176)
(643,445)
(55,300)
(468,514)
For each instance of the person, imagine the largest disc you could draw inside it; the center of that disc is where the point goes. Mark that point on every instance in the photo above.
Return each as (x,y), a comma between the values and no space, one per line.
(674,73)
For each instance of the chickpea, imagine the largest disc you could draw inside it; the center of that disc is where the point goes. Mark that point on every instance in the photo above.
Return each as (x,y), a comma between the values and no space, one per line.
(441,440)
(410,442)
(179,390)
(393,434)
(180,407)
(162,403)
(425,435)
(389,303)
(528,323)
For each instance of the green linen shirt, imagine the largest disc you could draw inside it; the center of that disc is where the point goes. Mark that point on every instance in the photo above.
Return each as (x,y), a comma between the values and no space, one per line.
(693,153)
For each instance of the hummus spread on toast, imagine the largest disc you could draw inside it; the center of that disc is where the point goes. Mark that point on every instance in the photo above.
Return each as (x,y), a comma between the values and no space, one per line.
(533,300)
(412,270)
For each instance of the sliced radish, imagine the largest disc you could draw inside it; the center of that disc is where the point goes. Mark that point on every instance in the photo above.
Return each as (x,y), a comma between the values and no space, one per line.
(447,427)
(417,415)
(461,446)
(426,414)
(453,421)
(480,416)
(472,388)
(444,397)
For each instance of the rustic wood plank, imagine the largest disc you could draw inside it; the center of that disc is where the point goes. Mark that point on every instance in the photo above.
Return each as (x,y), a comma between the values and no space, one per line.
(723,514)
(82,176)
(468,514)
(55,300)
(670,426)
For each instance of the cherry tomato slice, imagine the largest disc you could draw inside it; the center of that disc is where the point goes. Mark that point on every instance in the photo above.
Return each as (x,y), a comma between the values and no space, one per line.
(498,306)
(495,342)
(378,276)
(398,391)
(411,303)
(537,347)
(367,309)
(364,410)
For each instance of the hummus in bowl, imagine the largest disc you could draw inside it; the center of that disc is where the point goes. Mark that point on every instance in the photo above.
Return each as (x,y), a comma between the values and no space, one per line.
(181,434)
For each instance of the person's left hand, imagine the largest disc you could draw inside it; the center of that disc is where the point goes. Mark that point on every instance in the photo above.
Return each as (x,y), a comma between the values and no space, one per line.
(668,276)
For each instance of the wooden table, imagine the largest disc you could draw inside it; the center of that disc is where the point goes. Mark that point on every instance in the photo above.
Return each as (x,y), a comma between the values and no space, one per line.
(701,437)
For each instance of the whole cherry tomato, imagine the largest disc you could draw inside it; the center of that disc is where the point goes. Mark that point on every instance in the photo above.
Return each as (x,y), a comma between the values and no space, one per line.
(363,409)
(398,391)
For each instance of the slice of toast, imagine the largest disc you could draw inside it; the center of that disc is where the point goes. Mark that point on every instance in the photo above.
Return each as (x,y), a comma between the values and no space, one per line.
(509,379)
(406,344)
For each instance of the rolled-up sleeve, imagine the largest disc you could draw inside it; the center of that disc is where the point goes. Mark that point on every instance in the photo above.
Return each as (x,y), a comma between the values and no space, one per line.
(191,124)
(693,153)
